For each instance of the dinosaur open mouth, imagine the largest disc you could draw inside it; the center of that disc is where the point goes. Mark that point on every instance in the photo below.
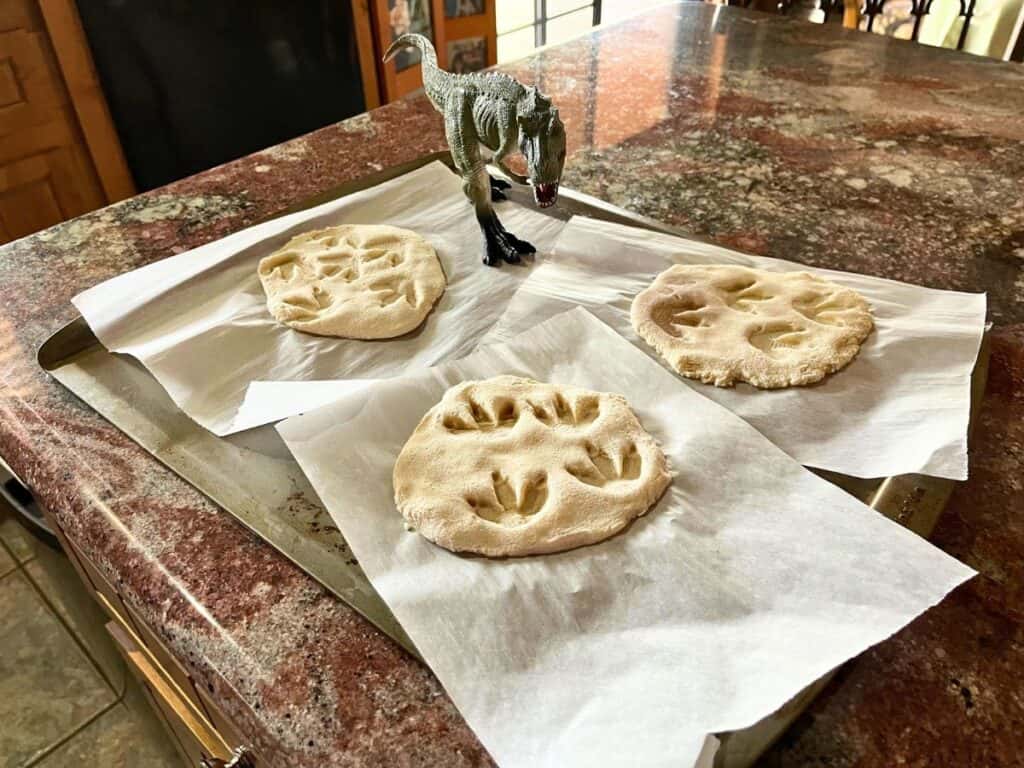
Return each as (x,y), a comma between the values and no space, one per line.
(545,194)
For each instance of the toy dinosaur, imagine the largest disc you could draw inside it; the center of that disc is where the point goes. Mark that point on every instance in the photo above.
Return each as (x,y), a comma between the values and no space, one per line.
(502,114)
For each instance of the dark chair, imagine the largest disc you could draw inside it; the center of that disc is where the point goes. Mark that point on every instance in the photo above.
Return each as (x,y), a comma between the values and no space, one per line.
(869,9)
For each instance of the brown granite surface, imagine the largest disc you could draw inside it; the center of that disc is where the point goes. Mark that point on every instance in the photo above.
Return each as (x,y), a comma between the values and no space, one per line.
(778,137)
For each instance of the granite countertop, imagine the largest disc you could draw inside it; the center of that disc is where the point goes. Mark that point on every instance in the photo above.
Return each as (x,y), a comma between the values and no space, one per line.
(777,137)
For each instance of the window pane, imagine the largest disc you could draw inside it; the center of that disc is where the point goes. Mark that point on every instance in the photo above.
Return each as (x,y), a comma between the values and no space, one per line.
(515,45)
(556,7)
(613,10)
(510,14)
(568,27)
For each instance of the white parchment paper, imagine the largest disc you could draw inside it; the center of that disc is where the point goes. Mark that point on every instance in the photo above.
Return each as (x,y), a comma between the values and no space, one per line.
(199,321)
(901,406)
(750,579)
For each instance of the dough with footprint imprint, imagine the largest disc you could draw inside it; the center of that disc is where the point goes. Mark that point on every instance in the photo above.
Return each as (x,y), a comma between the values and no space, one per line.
(509,467)
(353,281)
(721,324)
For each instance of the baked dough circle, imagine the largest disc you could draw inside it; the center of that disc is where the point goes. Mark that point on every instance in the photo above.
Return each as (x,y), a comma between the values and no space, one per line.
(509,467)
(721,324)
(354,281)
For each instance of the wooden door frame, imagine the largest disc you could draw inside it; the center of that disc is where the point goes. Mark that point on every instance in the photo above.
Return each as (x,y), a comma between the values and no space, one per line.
(480,25)
(363,26)
(395,84)
(67,37)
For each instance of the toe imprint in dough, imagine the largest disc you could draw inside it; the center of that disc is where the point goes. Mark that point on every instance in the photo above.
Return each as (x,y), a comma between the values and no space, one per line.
(721,324)
(600,469)
(511,467)
(353,281)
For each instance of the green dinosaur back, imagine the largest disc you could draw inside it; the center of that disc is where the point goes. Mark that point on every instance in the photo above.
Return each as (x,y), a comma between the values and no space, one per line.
(438,83)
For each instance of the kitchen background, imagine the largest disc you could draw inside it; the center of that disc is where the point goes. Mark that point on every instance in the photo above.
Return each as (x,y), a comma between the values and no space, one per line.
(101,99)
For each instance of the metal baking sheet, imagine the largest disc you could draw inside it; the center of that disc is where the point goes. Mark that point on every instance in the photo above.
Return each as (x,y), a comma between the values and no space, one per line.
(252,476)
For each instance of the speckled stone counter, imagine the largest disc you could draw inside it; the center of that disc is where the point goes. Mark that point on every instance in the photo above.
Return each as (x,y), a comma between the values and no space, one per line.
(776,137)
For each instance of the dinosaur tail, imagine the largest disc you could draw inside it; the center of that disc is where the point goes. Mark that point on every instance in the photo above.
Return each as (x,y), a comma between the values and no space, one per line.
(413,41)
(433,77)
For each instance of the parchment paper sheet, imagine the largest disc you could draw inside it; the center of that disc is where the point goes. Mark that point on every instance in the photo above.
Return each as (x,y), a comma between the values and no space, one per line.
(750,579)
(199,321)
(901,406)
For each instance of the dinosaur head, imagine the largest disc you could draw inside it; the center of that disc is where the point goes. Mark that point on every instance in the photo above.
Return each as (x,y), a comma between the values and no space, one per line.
(542,142)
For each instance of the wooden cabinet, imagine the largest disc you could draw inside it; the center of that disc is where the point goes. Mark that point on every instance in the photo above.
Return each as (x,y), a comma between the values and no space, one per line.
(46,173)
(60,153)
(190,731)
(463,33)
(196,725)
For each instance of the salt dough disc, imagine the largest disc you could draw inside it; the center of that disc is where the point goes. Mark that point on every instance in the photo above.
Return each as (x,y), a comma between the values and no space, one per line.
(509,466)
(354,281)
(721,324)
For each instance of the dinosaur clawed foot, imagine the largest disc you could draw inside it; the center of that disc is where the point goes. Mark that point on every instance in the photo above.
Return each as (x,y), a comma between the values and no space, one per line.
(500,245)
(498,187)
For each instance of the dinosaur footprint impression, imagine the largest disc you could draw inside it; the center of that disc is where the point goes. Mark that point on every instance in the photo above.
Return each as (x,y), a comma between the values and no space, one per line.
(353,281)
(721,323)
(509,467)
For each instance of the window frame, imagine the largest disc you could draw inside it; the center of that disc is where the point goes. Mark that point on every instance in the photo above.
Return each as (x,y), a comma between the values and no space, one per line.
(541,19)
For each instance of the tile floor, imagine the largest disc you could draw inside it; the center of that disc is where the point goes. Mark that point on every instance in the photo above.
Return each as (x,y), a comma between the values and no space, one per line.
(66,698)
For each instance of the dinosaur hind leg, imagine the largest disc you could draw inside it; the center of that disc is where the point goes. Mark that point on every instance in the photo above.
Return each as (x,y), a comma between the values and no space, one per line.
(522,246)
(498,187)
(499,245)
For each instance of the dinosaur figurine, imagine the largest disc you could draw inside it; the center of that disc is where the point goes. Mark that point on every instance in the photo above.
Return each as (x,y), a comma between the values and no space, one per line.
(500,113)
